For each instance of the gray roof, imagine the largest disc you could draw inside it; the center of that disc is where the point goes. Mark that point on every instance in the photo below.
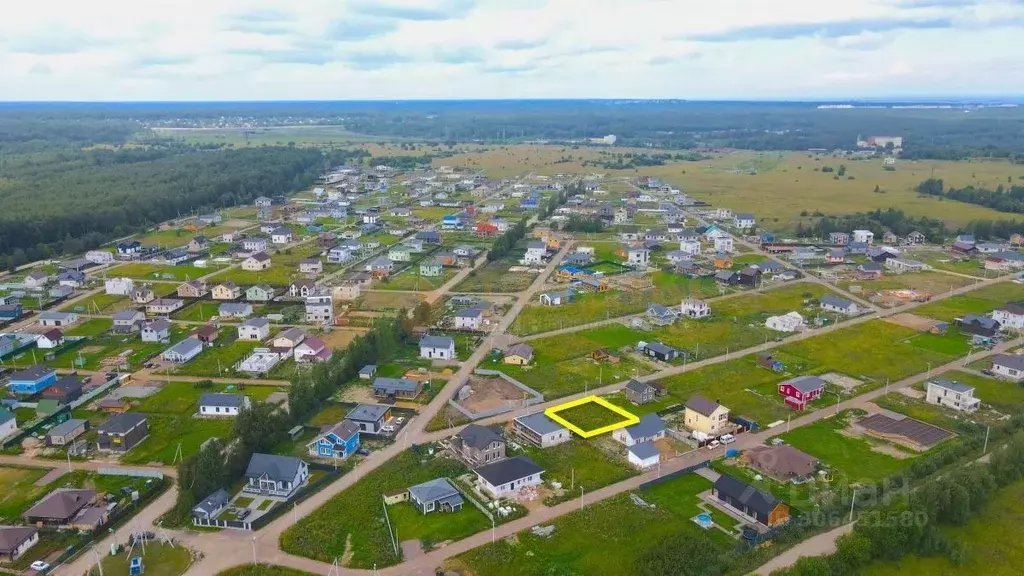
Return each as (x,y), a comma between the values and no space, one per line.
(761,502)
(744,216)
(478,436)
(702,405)
(661,348)
(433,490)
(1015,308)
(637,386)
(536,246)
(367,412)
(121,423)
(256,322)
(649,425)
(186,346)
(274,466)
(126,315)
(158,325)
(524,350)
(66,427)
(835,301)
(33,373)
(643,450)
(11,537)
(368,369)
(396,384)
(344,429)
(806,383)
(508,470)
(292,333)
(436,342)
(952,385)
(540,423)
(54,315)
(234,307)
(61,504)
(214,501)
(1009,360)
(223,400)
(468,313)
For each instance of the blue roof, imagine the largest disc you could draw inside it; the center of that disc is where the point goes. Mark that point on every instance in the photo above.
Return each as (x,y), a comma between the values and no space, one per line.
(644,450)
(540,423)
(649,425)
(436,342)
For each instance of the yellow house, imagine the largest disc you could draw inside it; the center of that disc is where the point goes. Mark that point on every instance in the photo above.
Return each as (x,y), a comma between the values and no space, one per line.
(706,416)
(256,262)
(227,291)
(520,355)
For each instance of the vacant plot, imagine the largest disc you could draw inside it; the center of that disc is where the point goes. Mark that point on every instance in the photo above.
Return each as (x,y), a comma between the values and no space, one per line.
(108,351)
(218,360)
(411,524)
(160,559)
(578,463)
(169,432)
(410,279)
(913,321)
(930,282)
(17,492)
(93,327)
(183,397)
(979,301)
(943,261)
(378,300)
(495,277)
(144,271)
(590,416)
(198,311)
(98,304)
(566,377)
(278,275)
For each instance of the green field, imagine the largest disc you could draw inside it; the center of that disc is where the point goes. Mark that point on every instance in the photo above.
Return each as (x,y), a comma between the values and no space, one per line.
(98,304)
(980,301)
(277,275)
(159,559)
(590,416)
(144,271)
(93,327)
(436,527)
(410,279)
(167,432)
(494,277)
(578,463)
(606,538)
(263,570)
(218,360)
(106,351)
(198,311)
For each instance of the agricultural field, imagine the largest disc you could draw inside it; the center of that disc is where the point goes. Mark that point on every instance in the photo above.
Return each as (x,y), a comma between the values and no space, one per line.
(145,271)
(582,540)
(98,304)
(980,301)
(351,525)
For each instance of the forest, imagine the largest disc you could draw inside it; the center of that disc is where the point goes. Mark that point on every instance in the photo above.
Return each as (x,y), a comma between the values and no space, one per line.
(1009,199)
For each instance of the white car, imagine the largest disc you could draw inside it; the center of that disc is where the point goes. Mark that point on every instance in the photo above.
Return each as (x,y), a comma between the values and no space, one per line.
(40,566)
(727,439)
(713,444)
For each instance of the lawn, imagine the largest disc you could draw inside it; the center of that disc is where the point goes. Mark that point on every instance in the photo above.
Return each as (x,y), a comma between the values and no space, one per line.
(198,311)
(218,360)
(411,524)
(93,327)
(573,375)
(158,558)
(590,416)
(578,463)
(607,538)
(17,490)
(263,570)
(168,431)
(852,457)
(98,304)
(144,271)
(277,275)
(329,414)
(494,277)
(183,397)
(1004,396)
(980,301)
(410,279)
(352,525)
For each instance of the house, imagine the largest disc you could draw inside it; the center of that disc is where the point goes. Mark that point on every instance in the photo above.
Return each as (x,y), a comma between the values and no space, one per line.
(254,329)
(227,291)
(183,351)
(65,390)
(468,319)
(16,540)
(99,257)
(311,266)
(198,244)
(263,202)
(436,495)
(431,268)
(638,257)
(838,238)
(703,415)
(32,380)
(367,372)
(519,354)
(661,315)
(782,462)
(129,247)
(479,444)
(979,326)
(990,247)
(744,220)
(339,440)
(536,252)
(259,293)
(8,423)
(857,248)
(437,348)
(71,278)
(302,288)
(119,286)
(1005,365)
(234,310)
(164,306)
(281,235)
(557,298)
(320,307)
(865,236)
(790,322)
(916,237)
(9,312)
(759,506)
(61,292)
(541,430)
(273,475)
(206,334)
(52,338)
(507,477)
(901,265)
(650,428)
(690,247)
(289,339)
(380,267)
(837,256)
(211,506)
(254,245)
(429,237)
(952,394)
(963,248)
(66,432)
(122,432)
(869,271)
(223,405)
(193,289)
(840,305)
(643,455)
(256,262)
(750,276)
(397,388)
(724,244)
(1010,316)
(369,417)
(36,279)
(659,351)
(143,295)
(800,391)
(312,350)
(156,331)
(57,319)
(347,291)
(59,508)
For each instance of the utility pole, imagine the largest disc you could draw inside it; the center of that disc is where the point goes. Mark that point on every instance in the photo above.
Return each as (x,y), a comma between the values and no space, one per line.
(853,498)
(984,449)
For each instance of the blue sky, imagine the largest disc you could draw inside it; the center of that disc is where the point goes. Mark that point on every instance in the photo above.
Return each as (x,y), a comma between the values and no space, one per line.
(408,49)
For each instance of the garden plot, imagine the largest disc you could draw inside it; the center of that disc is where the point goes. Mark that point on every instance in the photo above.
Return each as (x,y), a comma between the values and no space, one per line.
(843,381)
(489,393)
(914,321)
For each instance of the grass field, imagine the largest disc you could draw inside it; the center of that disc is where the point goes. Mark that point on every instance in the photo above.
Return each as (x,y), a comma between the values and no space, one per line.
(144,271)
(159,559)
(218,360)
(277,275)
(979,301)
(578,463)
(93,327)
(936,283)
(351,525)
(18,492)
(437,527)
(410,279)
(494,277)
(167,432)
(198,312)
(943,261)
(98,304)
(263,570)
(111,348)
(590,416)
(387,300)
(603,539)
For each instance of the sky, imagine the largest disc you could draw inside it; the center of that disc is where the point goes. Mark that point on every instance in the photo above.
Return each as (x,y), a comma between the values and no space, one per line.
(131,50)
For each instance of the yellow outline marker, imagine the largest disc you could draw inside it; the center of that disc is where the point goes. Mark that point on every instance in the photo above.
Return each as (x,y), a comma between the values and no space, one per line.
(630,418)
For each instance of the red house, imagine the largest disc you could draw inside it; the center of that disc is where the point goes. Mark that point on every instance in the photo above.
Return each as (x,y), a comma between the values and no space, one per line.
(485,229)
(799,391)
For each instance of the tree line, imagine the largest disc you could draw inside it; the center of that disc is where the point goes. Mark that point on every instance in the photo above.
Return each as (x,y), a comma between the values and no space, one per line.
(1004,199)
(878,221)
(505,243)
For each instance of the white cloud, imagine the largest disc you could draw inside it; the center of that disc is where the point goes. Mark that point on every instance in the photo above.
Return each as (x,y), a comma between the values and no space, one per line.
(355,49)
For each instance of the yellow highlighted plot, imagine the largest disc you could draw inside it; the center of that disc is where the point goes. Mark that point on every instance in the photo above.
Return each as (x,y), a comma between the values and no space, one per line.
(629,418)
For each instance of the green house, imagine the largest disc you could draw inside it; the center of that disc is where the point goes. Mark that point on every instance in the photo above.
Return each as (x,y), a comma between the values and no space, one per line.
(432,268)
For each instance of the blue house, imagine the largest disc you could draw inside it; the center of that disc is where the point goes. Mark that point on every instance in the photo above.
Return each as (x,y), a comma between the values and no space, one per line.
(451,222)
(340,440)
(528,203)
(10,311)
(32,380)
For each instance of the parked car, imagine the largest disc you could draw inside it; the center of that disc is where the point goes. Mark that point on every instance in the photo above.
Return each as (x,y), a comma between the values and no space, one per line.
(988,372)
(713,444)
(727,438)
(242,514)
(40,566)
(363,452)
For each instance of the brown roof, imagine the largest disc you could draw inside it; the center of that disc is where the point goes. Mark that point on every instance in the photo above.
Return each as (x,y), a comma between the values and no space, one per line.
(13,536)
(54,334)
(782,461)
(60,504)
(205,331)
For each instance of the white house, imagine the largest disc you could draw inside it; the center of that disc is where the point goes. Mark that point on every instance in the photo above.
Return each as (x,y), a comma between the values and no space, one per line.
(311,350)
(50,339)
(468,319)
(650,428)
(643,455)
(99,256)
(254,329)
(437,348)
(724,244)
(866,236)
(57,319)
(840,305)
(693,308)
(509,476)
(399,253)
(690,247)
(535,253)
(952,394)
(156,331)
(119,286)
(744,220)
(222,405)
(261,361)
(274,475)
(281,236)
(183,351)
(1009,366)
(1010,316)
(791,322)
(254,245)
(8,423)
(638,257)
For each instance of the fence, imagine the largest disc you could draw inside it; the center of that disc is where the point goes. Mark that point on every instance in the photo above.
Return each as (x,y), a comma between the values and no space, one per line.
(57,417)
(676,474)
(300,496)
(534,397)
(214,523)
(134,472)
